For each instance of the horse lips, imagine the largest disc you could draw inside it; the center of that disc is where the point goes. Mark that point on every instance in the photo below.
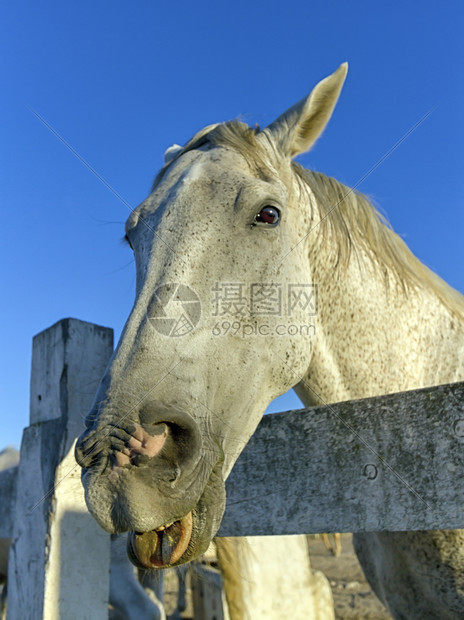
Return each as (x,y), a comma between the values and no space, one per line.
(162,547)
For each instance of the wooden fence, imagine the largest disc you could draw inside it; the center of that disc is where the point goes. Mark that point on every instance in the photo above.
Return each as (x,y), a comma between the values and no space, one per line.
(389,463)
(59,559)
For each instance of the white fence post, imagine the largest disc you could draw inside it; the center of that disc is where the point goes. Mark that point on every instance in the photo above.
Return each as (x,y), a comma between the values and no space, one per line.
(60,559)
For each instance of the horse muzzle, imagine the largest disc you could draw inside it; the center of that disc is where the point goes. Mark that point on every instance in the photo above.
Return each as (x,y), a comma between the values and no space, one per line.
(169,437)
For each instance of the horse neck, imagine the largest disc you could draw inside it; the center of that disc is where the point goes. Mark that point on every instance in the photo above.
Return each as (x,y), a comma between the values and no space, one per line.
(373,337)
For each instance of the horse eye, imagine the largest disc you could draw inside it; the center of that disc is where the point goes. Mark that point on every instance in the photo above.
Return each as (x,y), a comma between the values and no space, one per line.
(268,215)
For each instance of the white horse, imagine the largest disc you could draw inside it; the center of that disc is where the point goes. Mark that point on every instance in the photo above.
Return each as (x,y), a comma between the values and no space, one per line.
(235,229)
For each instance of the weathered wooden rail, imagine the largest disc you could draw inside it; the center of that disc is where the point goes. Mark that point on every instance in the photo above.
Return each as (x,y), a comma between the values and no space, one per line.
(389,463)
(394,462)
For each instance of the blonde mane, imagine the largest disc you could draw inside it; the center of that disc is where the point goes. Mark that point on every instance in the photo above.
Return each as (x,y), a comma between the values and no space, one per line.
(355,222)
(345,214)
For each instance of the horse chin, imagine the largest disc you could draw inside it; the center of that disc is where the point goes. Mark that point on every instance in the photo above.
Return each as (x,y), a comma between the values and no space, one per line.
(172,544)
(184,539)
(163,547)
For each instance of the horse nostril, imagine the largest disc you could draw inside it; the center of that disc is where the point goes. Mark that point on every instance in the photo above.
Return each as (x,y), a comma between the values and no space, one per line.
(182,445)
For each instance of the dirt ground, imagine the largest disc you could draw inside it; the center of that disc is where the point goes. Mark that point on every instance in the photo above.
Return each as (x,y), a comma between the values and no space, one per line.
(353,598)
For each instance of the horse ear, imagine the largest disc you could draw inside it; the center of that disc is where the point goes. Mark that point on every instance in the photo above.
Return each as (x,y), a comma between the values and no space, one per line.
(297,129)
(171,152)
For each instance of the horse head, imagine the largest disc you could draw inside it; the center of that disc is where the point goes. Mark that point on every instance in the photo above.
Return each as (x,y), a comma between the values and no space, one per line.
(218,244)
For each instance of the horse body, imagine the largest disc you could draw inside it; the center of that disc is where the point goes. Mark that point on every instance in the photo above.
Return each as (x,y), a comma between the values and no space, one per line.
(381,333)
(176,407)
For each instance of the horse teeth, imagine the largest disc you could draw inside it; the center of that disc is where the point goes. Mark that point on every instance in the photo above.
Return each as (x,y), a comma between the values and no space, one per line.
(163,527)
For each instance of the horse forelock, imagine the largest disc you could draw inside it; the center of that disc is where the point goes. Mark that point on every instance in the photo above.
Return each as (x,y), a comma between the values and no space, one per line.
(235,135)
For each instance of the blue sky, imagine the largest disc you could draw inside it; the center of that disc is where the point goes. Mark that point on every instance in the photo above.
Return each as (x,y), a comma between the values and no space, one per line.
(122,81)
